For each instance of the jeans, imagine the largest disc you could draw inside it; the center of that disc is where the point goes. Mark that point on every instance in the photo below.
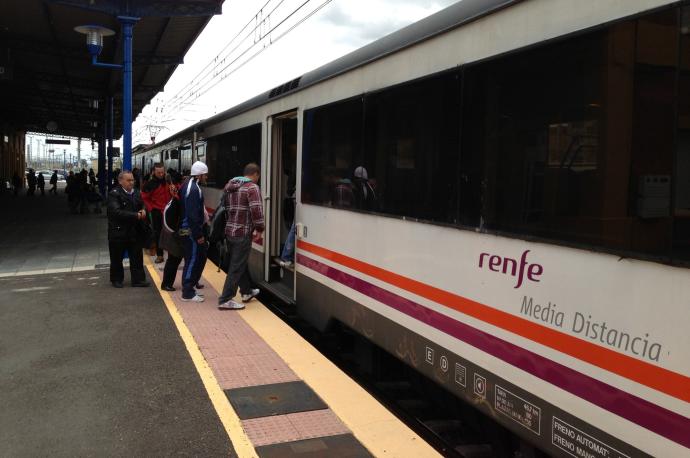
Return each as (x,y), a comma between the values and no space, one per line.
(288,253)
(194,262)
(238,275)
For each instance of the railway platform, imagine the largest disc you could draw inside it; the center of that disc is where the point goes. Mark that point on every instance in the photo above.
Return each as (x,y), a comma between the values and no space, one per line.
(92,370)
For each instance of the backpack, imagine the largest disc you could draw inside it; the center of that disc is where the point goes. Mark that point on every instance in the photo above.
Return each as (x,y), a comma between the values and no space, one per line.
(171,215)
(220,219)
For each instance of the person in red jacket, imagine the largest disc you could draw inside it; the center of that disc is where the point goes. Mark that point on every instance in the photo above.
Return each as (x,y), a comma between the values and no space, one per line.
(156,196)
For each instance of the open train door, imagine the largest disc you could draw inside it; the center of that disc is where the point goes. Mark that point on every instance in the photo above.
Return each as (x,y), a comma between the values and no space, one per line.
(280,205)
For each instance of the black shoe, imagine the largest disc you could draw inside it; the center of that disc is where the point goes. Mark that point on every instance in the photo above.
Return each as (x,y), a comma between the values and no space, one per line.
(117,284)
(199,286)
(141,284)
(167,288)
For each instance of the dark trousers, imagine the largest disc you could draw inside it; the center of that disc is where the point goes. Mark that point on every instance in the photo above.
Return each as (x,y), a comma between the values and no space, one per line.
(136,261)
(194,262)
(53,189)
(170,270)
(157,224)
(43,190)
(238,275)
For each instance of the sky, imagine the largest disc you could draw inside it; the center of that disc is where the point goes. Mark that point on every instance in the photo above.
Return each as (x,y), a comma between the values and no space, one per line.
(339,27)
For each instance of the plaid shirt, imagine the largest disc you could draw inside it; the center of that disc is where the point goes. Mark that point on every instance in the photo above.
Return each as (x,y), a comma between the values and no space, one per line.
(245,209)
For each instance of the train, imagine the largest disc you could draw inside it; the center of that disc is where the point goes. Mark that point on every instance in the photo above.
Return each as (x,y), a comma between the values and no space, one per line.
(499,196)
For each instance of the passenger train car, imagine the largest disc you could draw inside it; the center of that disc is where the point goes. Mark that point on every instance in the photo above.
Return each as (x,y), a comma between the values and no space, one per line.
(498,195)
(173,154)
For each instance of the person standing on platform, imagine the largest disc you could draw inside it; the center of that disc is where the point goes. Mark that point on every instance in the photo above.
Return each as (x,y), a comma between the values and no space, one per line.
(245,223)
(156,195)
(41,183)
(192,231)
(31,181)
(16,183)
(169,241)
(125,214)
(53,183)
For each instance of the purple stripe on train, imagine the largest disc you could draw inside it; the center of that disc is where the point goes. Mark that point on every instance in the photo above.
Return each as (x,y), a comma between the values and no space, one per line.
(664,422)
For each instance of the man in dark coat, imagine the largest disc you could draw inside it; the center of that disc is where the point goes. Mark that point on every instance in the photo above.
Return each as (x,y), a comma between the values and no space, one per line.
(53,183)
(41,183)
(31,181)
(16,183)
(126,214)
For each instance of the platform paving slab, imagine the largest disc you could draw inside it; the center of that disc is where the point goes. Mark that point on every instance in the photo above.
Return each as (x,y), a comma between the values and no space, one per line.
(274,399)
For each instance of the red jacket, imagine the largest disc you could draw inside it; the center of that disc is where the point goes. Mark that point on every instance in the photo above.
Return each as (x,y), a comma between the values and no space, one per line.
(155,194)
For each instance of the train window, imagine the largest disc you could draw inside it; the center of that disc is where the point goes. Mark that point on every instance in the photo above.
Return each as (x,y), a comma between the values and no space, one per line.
(332,151)
(575,139)
(395,152)
(412,148)
(681,229)
(232,151)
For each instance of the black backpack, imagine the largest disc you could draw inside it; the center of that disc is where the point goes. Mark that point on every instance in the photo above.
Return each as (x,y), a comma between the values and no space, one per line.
(171,215)
(220,219)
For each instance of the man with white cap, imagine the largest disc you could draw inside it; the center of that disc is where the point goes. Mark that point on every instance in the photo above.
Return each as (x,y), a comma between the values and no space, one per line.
(192,231)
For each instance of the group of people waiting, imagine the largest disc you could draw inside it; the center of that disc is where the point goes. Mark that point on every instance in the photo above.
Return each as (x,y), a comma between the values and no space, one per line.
(172,210)
(82,192)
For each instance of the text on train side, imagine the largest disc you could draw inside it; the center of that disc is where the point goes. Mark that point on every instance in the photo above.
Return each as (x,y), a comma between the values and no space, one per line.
(595,330)
(509,266)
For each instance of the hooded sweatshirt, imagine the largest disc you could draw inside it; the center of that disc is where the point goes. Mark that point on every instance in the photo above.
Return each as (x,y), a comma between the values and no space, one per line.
(245,209)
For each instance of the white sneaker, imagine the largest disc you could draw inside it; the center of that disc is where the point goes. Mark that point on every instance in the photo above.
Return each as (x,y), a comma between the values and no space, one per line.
(248,297)
(230,305)
(283,263)
(196,298)
(198,293)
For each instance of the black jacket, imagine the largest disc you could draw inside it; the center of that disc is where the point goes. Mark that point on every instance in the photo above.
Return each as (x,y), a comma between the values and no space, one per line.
(123,224)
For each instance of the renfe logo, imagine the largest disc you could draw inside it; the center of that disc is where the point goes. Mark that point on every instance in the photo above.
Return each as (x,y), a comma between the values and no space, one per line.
(509,266)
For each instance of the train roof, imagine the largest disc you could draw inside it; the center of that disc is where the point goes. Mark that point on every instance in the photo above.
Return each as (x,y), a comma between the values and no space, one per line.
(447,19)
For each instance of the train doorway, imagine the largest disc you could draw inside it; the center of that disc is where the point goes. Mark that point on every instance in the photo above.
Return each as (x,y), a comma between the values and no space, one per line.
(283,176)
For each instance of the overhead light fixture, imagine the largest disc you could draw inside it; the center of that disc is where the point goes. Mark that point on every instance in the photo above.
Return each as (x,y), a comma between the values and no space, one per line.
(94,37)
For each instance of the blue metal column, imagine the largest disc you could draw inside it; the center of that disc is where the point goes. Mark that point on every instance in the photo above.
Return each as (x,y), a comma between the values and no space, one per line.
(111,128)
(102,174)
(127,26)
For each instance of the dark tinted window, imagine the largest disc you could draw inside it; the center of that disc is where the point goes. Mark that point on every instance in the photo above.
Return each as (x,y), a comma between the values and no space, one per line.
(332,147)
(399,155)
(412,148)
(231,152)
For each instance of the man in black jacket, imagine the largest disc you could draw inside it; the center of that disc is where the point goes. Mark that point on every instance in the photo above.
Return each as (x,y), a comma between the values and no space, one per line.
(126,214)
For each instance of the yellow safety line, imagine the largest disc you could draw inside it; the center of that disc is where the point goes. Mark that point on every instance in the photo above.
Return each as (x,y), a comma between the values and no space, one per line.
(231,422)
(381,432)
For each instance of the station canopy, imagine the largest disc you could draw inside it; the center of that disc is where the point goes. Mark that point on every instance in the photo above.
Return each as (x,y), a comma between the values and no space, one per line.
(47,82)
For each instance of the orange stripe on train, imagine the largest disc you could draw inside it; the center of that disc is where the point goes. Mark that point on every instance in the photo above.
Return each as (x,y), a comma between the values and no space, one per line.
(658,378)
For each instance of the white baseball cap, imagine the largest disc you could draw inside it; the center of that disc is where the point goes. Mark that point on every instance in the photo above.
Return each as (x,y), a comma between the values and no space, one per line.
(199,168)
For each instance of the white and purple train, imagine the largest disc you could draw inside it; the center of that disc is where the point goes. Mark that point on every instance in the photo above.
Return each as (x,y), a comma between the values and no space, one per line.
(498,195)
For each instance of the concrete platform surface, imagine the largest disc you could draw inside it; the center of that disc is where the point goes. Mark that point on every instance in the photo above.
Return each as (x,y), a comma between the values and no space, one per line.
(89,370)
(40,235)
